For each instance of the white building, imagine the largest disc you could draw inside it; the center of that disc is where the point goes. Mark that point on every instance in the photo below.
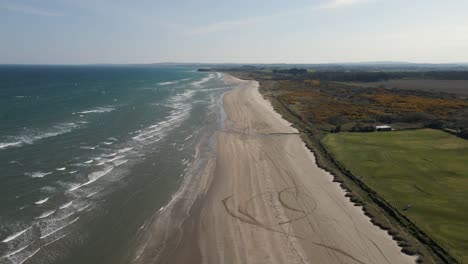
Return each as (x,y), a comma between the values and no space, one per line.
(383,128)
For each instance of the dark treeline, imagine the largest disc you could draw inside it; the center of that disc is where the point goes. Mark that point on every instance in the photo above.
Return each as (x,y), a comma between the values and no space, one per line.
(372,76)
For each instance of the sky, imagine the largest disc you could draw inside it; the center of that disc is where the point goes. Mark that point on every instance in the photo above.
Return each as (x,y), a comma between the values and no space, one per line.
(242,31)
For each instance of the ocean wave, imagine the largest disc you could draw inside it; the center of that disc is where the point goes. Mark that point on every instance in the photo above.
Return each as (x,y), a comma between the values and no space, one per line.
(57,239)
(30,256)
(92,194)
(65,216)
(92,178)
(46,214)
(109,155)
(89,162)
(66,205)
(61,169)
(15,235)
(181,109)
(89,147)
(37,174)
(97,110)
(5,145)
(167,83)
(83,208)
(16,251)
(60,228)
(119,162)
(124,150)
(204,80)
(32,135)
(41,201)
(114,159)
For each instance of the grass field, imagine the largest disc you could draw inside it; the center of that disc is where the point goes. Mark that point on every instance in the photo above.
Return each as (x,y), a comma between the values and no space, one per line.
(427,169)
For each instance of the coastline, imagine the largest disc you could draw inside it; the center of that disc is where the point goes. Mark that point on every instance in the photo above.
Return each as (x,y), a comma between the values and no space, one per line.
(263,199)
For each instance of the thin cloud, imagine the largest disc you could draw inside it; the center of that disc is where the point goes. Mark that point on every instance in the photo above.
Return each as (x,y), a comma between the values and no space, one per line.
(31,10)
(221,26)
(343,3)
(232,24)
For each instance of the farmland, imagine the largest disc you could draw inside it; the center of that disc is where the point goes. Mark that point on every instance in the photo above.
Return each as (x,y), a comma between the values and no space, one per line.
(422,173)
(326,105)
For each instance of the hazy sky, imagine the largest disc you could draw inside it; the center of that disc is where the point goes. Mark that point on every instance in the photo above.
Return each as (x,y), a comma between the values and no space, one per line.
(246,31)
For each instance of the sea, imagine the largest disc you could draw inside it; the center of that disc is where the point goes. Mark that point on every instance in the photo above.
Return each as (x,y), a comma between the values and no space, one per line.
(88,154)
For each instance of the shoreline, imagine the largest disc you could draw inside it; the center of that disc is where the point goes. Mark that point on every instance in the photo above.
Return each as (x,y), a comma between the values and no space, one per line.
(266,200)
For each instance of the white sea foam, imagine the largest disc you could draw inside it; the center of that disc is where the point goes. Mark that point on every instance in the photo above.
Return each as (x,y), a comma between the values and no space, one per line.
(37,174)
(91,194)
(65,216)
(29,136)
(167,83)
(103,109)
(65,205)
(89,147)
(109,155)
(124,150)
(92,178)
(204,80)
(181,110)
(107,143)
(41,201)
(46,214)
(16,251)
(120,162)
(60,228)
(83,208)
(61,169)
(30,256)
(15,235)
(89,161)
(115,158)
(5,145)
(73,172)
(60,237)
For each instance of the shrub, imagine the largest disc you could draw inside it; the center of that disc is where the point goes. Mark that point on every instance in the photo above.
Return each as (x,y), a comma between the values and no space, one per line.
(463,133)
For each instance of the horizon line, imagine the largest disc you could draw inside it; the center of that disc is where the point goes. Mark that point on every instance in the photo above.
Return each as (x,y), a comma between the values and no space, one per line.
(233,63)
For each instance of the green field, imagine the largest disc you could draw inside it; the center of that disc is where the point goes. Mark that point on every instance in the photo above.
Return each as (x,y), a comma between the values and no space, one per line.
(427,169)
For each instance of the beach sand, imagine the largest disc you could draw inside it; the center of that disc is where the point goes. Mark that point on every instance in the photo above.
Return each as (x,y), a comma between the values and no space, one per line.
(266,201)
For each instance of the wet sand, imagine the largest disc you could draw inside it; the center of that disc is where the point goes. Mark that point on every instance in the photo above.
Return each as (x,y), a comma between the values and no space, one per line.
(266,201)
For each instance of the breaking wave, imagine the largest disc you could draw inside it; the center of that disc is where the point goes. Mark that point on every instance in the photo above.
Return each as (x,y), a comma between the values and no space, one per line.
(199,83)
(32,135)
(97,110)
(37,174)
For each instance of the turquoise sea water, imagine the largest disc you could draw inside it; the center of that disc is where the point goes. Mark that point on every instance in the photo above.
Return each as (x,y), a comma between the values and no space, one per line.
(89,153)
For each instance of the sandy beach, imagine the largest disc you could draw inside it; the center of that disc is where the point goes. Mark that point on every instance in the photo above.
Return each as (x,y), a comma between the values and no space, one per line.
(266,201)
